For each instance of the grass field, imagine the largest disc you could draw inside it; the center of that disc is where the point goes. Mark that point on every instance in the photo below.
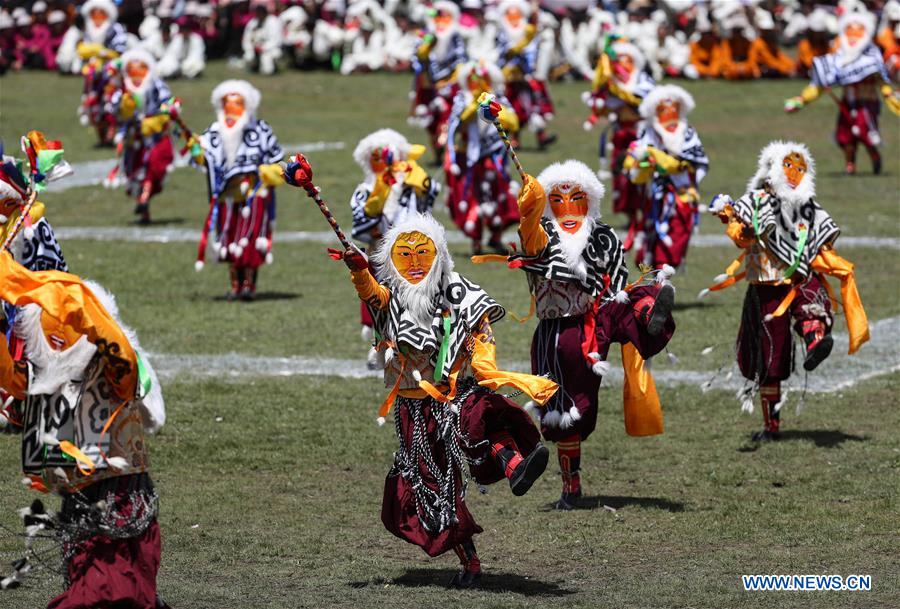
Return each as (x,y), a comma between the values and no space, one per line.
(271,487)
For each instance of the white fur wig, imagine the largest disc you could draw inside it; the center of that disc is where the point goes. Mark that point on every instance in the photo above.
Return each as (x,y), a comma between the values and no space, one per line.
(863,18)
(107,6)
(243,88)
(152,405)
(416,298)
(447,7)
(485,68)
(573,172)
(383,138)
(661,93)
(506,5)
(770,171)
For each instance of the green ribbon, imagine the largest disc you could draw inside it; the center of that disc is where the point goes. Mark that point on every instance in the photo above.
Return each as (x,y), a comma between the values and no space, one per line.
(804,233)
(144,381)
(442,353)
(756,215)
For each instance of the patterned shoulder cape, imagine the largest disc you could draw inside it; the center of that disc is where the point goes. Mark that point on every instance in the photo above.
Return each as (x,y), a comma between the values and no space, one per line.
(779,227)
(259,146)
(826,72)
(467,304)
(603,256)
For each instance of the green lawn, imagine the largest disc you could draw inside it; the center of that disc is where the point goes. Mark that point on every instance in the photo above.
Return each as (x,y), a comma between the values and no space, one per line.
(285,489)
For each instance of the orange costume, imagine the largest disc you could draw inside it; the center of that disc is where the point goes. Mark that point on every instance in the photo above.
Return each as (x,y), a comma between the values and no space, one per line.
(706,56)
(737,60)
(769,58)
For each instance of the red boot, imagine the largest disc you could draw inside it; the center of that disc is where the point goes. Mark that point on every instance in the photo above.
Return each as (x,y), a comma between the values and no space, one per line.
(569,454)
(521,471)
(471,565)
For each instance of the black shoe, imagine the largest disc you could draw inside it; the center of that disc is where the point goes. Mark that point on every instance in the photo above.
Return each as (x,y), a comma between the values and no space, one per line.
(497,247)
(545,142)
(765,436)
(876,165)
(529,470)
(465,579)
(568,501)
(817,354)
(662,309)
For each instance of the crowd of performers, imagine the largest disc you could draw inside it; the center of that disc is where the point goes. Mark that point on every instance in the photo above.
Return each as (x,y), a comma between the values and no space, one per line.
(78,388)
(719,39)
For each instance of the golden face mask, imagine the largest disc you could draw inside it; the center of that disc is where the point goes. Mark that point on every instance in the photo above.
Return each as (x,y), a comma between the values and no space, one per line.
(854,32)
(794,167)
(668,113)
(413,256)
(569,205)
(137,71)
(234,107)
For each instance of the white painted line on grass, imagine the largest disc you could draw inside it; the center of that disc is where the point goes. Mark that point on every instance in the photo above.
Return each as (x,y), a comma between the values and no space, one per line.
(881,355)
(152,234)
(92,173)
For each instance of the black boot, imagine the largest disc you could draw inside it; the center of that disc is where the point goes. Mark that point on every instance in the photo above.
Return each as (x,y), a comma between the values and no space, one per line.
(818,344)
(662,309)
(471,566)
(521,471)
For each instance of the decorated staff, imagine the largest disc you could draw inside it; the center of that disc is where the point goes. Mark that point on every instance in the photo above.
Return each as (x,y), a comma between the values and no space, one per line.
(436,335)
(240,154)
(490,111)
(576,272)
(787,240)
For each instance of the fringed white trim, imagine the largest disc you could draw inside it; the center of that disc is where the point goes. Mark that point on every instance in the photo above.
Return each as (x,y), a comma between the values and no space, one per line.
(666,272)
(198,265)
(565,421)
(707,350)
(117,463)
(600,368)
(747,405)
(622,297)
(720,278)
(417,375)
(533,411)
(768,317)
(262,245)
(702,294)
(270,258)
(673,359)
(551,418)
(380,421)
(574,413)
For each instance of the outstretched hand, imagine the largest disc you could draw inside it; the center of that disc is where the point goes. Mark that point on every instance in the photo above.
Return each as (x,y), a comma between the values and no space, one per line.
(353,257)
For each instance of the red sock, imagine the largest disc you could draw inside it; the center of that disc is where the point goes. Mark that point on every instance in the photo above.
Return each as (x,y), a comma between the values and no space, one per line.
(770,396)
(569,453)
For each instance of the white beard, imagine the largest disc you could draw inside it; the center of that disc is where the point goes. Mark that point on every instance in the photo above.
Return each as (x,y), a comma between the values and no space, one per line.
(514,34)
(572,245)
(791,197)
(138,90)
(672,140)
(96,34)
(232,136)
(848,53)
(418,298)
(442,42)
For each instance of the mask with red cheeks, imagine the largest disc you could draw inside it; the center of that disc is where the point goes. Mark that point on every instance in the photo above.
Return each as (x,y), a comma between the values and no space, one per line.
(623,66)
(514,17)
(137,71)
(569,205)
(668,113)
(376,161)
(443,22)
(234,108)
(854,32)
